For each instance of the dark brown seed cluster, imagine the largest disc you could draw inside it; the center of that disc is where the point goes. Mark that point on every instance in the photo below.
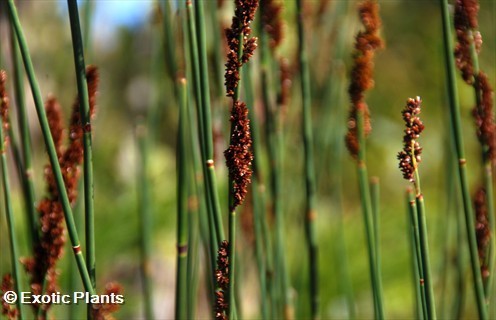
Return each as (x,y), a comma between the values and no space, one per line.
(4,105)
(8,310)
(103,311)
(239,155)
(411,148)
(52,234)
(484,117)
(366,43)
(466,22)
(272,21)
(222,279)
(482,230)
(240,29)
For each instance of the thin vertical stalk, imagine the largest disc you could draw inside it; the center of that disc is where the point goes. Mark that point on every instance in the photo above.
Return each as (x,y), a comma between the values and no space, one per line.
(77,44)
(207,121)
(424,246)
(421,312)
(367,214)
(375,198)
(73,235)
(88,14)
(310,214)
(9,212)
(27,163)
(197,85)
(182,209)
(462,162)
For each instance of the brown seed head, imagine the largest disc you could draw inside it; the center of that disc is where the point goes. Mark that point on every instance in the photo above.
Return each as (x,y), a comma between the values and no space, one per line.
(366,42)
(411,147)
(8,310)
(484,118)
(239,155)
(222,278)
(103,311)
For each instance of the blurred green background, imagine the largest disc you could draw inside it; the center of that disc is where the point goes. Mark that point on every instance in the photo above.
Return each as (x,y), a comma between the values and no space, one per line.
(122,46)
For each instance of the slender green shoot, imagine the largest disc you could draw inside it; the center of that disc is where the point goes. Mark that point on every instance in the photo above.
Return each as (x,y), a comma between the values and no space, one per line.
(310,214)
(22,118)
(77,43)
(182,209)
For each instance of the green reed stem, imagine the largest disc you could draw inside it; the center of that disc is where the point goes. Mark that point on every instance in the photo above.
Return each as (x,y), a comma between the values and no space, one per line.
(47,136)
(421,312)
(9,212)
(84,107)
(207,122)
(197,85)
(367,215)
(462,162)
(311,214)
(375,198)
(27,163)
(89,6)
(424,246)
(182,208)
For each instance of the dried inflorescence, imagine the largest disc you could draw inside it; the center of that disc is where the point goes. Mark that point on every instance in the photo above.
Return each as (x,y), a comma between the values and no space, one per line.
(466,22)
(239,155)
(482,230)
(8,310)
(222,279)
(240,30)
(103,311)
(4,104)
(409,157)
(272,21)
(52,234)
(484,117)
(366,43)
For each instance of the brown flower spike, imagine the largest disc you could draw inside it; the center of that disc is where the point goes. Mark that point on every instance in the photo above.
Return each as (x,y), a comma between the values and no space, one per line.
(222,279)
(409,157)
(366,43)
(272,21)
(466,24)
(52,234)
(239,155)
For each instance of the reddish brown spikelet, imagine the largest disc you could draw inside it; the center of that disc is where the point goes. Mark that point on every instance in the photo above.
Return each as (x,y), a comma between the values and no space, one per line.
(272,21)
(466,21)
(4,104)
(366,43)
(484,117)
(52,234)
(222,279)
(240,29)
(8,310)
(103,311)
(482,230)
(55,122)
(238,155)
(411,147)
